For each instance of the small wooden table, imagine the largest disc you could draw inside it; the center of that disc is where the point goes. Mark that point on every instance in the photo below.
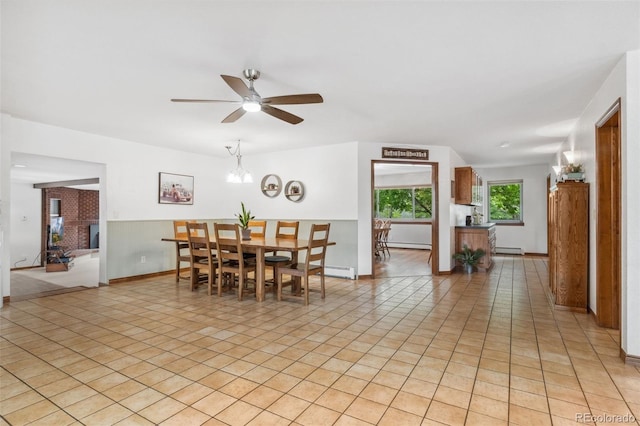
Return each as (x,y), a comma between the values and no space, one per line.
(261,246)
(56,260)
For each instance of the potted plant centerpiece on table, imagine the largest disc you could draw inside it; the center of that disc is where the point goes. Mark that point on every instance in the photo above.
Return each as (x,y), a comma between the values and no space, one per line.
(244,217)
(469,258)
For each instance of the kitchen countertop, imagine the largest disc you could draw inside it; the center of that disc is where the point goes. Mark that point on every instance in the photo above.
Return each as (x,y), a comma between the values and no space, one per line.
(481,226)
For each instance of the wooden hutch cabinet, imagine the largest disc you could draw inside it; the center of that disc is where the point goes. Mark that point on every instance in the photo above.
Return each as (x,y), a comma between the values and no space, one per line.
(569,245)
(468,187)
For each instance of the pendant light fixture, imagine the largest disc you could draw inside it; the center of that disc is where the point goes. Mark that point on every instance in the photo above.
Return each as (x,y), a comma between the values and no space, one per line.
(239,174)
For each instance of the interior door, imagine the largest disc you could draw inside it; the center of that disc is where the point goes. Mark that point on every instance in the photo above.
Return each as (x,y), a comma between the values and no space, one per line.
(608,243)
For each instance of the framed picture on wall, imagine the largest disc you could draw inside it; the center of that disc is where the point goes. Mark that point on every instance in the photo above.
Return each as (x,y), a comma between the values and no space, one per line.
(175,189)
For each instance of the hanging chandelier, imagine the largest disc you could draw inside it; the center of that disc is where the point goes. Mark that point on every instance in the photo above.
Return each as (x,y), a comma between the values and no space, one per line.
(239,174)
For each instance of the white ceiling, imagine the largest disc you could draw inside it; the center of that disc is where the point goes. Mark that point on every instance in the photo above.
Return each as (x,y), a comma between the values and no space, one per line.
(470,75)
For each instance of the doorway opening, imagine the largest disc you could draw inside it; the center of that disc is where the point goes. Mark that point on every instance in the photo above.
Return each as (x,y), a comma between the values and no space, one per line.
(404,202)
(608,218)
(56,209)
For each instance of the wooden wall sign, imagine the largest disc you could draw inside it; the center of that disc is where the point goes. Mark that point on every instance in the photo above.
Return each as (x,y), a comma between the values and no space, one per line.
(406,153)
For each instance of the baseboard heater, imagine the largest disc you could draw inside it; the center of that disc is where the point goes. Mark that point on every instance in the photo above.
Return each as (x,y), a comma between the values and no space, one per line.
(422,246)
(509,250)
(340,272)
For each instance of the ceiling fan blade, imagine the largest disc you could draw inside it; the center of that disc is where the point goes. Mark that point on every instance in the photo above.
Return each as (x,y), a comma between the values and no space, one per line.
(201,100)
(282,115)
(237,85)
(307,98)
(234,115)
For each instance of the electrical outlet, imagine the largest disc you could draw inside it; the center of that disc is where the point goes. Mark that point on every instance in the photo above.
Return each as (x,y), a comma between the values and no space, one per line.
(143,259)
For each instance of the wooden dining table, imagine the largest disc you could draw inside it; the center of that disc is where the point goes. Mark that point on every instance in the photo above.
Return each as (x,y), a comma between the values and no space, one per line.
(261,246)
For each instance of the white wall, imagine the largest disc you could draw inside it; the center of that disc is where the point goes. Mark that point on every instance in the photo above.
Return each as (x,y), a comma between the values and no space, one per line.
(532,237)
(5,219)
(623,83)
(404,235)
(327,173)
(131,168)
(631,207)
(26,223)
(403,179)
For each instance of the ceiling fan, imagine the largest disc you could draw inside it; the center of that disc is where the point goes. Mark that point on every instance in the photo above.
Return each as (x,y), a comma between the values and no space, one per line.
(252,101)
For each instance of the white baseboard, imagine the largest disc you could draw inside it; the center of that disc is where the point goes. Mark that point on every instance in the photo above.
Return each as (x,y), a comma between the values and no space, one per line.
(509,250)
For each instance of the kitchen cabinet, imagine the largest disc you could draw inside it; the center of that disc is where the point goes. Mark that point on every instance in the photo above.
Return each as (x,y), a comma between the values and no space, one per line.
(569,245)
(468,187)
(478,237)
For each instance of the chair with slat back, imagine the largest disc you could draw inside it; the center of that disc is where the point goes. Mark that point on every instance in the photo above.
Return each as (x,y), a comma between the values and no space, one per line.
(203,260)
(385,237)
(182,248)
(381,231)
(288,231)
(230,256)
(313,264)
(258,230)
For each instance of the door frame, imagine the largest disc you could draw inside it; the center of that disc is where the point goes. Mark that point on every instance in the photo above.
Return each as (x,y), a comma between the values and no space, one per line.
(434,216)
(609,289)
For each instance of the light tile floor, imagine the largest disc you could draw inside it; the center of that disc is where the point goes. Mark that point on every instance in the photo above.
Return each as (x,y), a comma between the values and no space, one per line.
(479,349)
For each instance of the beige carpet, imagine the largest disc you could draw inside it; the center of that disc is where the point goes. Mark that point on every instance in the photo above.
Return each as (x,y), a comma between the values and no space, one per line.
(83,271)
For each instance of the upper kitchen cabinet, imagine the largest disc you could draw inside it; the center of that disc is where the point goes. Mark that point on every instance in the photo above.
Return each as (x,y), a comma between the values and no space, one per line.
(468,187)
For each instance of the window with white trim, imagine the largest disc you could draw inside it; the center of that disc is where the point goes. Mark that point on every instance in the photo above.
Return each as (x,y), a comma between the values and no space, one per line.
(505,201)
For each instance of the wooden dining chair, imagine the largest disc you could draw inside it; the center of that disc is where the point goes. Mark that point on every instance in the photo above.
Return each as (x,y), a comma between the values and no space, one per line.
(182,248)
(313,264)
(386,228)
(230,256)
(258,228)
(203,261)
(287,230)
(381,237)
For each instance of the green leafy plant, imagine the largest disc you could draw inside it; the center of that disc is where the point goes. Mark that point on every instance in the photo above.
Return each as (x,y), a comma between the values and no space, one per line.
(244,217)
(468,256)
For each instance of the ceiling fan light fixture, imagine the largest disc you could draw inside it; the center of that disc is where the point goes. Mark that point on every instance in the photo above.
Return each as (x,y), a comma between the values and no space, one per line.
(251,106)
(251,101)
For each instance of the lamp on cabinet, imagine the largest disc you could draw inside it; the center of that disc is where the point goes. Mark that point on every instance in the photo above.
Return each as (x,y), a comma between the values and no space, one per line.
(572,156)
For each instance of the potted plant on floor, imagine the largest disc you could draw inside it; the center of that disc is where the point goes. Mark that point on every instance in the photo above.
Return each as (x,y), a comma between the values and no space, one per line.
(469,258)
(244,217)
